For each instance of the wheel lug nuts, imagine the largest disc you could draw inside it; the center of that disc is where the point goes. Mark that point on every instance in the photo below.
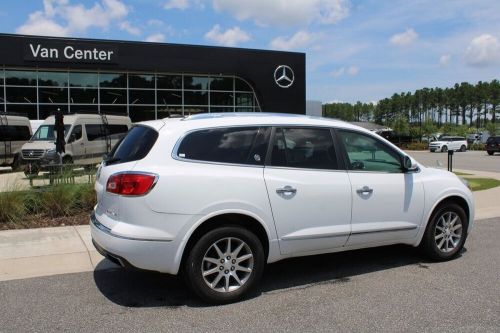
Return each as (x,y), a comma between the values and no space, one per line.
(232,268)
(226,271)
(221,268)
(228,258)
(233,261)
(222,261)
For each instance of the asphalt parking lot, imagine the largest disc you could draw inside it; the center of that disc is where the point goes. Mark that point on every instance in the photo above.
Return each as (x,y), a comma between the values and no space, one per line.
(469,160)
(387,289)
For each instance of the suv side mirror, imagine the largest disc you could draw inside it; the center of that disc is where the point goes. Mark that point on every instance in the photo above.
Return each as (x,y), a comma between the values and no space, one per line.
(408,164)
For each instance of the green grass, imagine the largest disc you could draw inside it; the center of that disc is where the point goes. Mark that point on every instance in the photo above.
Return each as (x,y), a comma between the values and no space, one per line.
(462,173)
(51,201)
(480,184)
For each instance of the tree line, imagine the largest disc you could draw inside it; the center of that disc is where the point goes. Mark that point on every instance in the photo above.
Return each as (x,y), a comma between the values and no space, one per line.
(464,104)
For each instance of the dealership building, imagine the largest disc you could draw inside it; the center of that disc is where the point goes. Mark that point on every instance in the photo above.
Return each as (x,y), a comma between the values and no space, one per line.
(145,80)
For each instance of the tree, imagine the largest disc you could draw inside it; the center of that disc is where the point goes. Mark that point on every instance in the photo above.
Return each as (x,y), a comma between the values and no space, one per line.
(491,128)
(428,128)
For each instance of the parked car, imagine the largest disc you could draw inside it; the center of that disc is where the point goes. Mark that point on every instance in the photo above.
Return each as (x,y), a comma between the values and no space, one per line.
(493,145)
(88,137)
(217,196)
(15,131)
(445,143)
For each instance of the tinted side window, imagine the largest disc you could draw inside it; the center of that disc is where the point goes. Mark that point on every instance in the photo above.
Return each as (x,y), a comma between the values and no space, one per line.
(117,129)
(369,154)
(94,132)
(14,133)
(310,148)
(240,145)
(135,146)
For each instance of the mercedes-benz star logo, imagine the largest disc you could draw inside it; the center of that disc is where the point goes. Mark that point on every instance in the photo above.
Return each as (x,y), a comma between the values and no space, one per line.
(284,76)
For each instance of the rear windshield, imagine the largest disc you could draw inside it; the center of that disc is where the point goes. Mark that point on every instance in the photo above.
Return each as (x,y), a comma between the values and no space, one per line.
(492,139)
(134,146)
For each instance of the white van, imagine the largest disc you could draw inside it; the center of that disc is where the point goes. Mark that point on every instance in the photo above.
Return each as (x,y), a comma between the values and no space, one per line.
(88,137)
(15,131)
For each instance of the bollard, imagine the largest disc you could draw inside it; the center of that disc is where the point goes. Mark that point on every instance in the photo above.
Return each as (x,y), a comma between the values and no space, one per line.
(450,160)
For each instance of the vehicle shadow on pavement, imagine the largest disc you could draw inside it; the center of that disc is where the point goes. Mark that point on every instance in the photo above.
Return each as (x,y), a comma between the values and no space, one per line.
(137,288)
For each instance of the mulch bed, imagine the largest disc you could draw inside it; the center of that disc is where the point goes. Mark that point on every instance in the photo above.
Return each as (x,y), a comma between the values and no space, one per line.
(41,221)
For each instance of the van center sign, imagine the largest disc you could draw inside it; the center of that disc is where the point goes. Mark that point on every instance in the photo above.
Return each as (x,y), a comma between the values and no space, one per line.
(78,52)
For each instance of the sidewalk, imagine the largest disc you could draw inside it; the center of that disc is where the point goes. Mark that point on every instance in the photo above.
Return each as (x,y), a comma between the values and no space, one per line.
(49,251)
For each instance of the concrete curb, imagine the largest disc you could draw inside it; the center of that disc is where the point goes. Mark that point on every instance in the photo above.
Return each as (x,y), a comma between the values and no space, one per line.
(48,251)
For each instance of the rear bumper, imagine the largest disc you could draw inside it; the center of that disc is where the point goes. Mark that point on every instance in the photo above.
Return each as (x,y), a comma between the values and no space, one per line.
(155,255)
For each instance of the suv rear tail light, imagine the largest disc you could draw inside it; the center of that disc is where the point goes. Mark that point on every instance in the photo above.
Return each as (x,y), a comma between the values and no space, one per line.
(131,183)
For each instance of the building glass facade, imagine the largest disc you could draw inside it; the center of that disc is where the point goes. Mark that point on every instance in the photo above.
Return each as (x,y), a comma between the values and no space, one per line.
(142,96)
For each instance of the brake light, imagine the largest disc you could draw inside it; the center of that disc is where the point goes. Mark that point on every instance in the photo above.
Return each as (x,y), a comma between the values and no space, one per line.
(131,183)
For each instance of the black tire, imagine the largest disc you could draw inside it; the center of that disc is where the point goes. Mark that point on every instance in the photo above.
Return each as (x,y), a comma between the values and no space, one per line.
(444,149)
(67,160)
(192,270)
(463,148)
(429,243)
(16,163)
(490,152)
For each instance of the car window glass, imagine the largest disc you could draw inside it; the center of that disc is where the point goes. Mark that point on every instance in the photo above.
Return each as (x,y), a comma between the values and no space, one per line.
(240,145)
(95,132)
(76,134)
(367,153)
(135,146)
(310,148)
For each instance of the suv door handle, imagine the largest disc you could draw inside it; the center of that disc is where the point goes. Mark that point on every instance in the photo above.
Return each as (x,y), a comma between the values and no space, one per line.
(286,190)
(364,190)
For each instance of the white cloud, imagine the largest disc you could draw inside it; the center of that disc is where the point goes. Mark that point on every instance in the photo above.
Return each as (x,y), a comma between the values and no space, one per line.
(338,72)
(285,12)
(177,4)
(351,70)
(483,50)
(125,25)
(39,24)
(155,23)
(299,40)
(404,38)
(156,38)
(184,4)
(230,37)
(444,60)
(76,18)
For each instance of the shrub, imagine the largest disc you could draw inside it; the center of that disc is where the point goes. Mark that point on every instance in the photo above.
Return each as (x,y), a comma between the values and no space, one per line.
(477,146)
(12,207)
(416,146)
(58,200)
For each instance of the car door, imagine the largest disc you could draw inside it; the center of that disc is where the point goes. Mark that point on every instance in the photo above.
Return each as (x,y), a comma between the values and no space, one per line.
(308,189)
(76,144)
(387,204)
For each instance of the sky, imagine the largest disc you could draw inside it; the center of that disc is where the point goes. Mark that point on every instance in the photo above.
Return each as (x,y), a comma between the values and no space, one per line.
(356,50)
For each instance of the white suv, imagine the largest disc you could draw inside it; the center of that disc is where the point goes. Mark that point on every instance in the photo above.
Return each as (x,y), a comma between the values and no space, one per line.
(217,196)
(445,143)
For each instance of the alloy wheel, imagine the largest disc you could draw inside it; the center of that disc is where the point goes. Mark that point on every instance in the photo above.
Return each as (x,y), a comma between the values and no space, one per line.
(448,232)
(227,265)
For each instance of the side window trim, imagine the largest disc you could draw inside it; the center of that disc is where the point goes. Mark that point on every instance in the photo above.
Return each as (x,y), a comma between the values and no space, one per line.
(346,156)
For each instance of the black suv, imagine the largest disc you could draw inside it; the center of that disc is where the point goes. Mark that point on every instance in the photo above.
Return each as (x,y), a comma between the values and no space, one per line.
(493,145)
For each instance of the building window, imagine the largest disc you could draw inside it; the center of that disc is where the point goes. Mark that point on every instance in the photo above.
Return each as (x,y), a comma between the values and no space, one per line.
(143,96)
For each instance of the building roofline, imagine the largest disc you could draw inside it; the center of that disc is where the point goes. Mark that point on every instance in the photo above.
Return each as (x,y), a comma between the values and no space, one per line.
(120,41)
